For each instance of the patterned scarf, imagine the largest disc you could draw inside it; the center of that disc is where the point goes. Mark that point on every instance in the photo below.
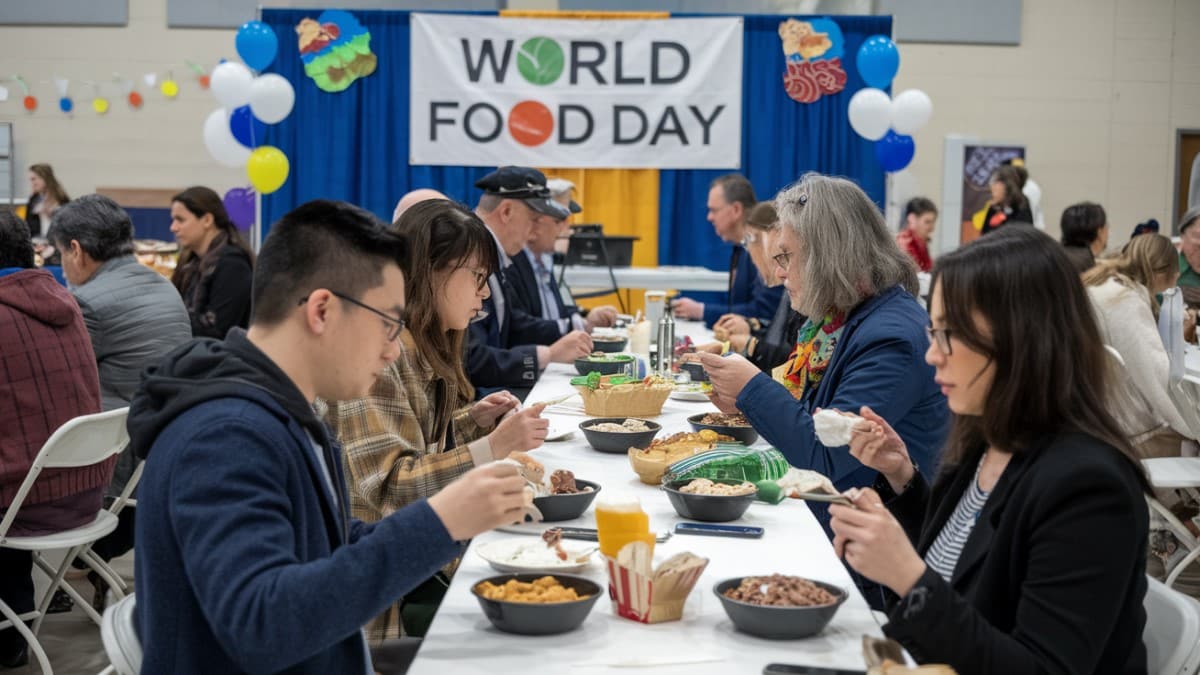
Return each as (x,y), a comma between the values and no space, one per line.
(814,348)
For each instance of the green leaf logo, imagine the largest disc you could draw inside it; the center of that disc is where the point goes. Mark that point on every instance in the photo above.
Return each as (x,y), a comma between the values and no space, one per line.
(540,60)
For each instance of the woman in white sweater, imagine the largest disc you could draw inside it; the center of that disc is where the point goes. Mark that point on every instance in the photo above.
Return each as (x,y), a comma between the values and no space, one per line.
(1123,290)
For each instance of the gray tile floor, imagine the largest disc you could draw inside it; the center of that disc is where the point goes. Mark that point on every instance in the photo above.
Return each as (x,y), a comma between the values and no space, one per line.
(71,640)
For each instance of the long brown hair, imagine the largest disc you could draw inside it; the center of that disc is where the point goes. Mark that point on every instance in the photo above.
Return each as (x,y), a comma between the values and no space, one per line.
(1052,371)
(1142,259)
(442,237)
(201,201)
(53,188)
(1010,177)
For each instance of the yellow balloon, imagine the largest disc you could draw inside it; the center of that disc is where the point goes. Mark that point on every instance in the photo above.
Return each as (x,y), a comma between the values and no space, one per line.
(169,88)
(267,169)
(100,105)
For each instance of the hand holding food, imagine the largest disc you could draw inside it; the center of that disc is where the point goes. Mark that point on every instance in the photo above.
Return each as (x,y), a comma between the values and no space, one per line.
(728,374)
(602,317)
(492,407)
(872,541)
(686,308)
(483,498)
(571,346)
(882,449)
(524,430)
(729,325)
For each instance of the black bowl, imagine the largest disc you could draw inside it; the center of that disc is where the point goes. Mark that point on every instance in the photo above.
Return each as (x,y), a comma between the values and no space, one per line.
(529,618)
(567,507)
(695,369)
(610,345)
(583,366)
(618,442)
(778,623)
(709,508)
(744,435)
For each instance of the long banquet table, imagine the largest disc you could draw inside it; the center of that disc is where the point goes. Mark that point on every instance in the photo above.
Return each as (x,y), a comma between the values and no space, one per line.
(461,640)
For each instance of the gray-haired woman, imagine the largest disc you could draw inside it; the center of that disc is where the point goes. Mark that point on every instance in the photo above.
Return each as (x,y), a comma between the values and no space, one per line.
(861,349)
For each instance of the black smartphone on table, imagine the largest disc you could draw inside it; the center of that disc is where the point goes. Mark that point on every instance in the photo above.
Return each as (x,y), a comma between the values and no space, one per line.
(711,530)
(793,669)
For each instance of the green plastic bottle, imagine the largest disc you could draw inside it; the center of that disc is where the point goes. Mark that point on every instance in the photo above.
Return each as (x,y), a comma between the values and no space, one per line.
(730,461)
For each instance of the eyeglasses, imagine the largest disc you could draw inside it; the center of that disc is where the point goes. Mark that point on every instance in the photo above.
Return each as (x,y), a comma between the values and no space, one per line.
(939,337)
(782,259)
(394,325)
(481,278)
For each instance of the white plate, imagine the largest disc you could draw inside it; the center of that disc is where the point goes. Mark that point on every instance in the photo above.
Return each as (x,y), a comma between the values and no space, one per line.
(697,396)
(499,555)
(559,432)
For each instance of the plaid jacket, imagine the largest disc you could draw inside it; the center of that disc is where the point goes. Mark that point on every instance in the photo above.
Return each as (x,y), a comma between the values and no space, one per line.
(393,439)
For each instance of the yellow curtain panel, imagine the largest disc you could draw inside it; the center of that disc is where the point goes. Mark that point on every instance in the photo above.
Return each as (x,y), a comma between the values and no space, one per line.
(625,201)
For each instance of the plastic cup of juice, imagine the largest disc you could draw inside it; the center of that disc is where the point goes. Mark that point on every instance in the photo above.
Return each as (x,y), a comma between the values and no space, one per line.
(619,521)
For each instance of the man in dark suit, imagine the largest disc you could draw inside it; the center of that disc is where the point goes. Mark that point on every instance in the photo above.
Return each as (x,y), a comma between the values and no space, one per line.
(509,347)
(533,278)
(730,198)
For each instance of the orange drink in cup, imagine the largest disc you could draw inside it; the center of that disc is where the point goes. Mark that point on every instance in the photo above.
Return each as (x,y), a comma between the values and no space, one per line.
(619,521)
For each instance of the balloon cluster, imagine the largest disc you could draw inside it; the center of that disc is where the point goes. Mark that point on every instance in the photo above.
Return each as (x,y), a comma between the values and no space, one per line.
(234,133)
(876,116)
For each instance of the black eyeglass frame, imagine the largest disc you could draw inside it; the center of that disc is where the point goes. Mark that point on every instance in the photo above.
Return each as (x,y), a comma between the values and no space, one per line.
(395,325)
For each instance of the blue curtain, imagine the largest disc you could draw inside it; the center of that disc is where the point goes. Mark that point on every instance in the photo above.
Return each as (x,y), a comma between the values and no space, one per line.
(781,140)
(353,145)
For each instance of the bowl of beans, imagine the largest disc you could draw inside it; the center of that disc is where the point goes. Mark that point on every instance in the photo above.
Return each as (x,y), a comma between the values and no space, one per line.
(779,607)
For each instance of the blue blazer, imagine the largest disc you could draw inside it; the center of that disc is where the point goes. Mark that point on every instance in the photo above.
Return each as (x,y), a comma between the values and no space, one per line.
(504,353)
(246,562)
(748,295)
(880,363)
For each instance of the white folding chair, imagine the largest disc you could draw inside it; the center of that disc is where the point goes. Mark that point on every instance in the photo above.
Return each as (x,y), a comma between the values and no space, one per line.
(116,584)
(1172,633)
(82,441)
(1176,473)
(119,634)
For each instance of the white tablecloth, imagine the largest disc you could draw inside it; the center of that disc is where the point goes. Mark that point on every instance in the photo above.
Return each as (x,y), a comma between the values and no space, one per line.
(462,641)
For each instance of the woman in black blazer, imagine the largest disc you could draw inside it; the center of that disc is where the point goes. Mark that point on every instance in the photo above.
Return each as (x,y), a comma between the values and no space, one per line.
(1030,545)
(215,268)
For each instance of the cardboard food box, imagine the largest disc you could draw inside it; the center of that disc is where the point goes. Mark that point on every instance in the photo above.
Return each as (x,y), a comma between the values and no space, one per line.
(625,400)
(648,595)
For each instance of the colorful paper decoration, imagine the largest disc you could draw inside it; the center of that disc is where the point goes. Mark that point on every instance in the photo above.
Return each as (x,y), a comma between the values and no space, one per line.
(169,88)
(813,50)
(335,49)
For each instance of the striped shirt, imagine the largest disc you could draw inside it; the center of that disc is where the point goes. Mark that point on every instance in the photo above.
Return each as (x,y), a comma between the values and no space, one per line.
(943,556)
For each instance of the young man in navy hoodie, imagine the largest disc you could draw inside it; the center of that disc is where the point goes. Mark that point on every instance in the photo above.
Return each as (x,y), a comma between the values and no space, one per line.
(247,558)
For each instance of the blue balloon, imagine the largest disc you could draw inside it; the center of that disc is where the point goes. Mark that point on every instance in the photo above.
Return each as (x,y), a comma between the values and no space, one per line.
(246,128)
(878,61)
(895,151)
(257,44)
(65,104)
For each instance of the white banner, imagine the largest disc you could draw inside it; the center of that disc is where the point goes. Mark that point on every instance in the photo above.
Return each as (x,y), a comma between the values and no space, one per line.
(656,93)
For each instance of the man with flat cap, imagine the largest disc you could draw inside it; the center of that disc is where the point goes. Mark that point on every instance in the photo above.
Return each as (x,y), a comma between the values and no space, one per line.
(532,278)
(509,347)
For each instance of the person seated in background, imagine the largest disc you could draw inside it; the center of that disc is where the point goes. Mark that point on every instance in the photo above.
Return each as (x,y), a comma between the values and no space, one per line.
(861,346)
(765,344)
(46,195)
(1189,257)
(508,348)
(215,264)
(730,199)
(1031,190)
(1007,205)
(1026,554)
(1145,227)
(416,431)
(1084,234)
(534,289)
(414,197)
(133,315)
(1124,291)
(920,217)
(47,377)
(247,557)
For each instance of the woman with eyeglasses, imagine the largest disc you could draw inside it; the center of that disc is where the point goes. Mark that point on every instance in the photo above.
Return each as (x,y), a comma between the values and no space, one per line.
(1027,553)
(417,430)
(861,344)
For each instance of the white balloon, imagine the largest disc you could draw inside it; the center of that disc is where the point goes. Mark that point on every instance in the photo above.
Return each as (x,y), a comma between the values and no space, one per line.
(911,110)
(870,113)
(220,141)
(230,83)
(271,98)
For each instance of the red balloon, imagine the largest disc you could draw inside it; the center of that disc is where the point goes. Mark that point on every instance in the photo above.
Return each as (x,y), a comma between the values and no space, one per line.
(135,99)
(30,103)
